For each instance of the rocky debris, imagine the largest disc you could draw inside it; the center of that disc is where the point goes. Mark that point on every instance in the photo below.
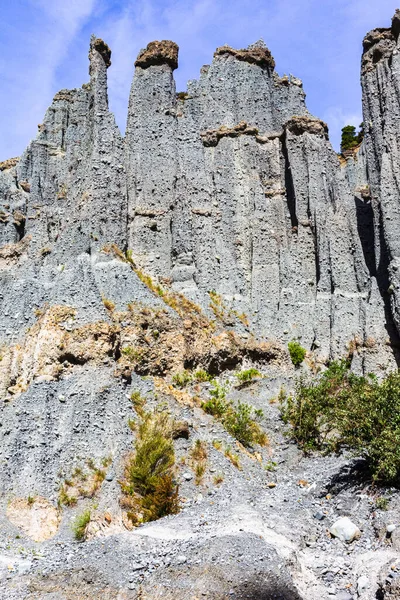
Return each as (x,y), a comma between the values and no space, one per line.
(10,252)
(375,37)
(9,163)
(212,137)
(158,53)
(345,530)
(257,54)
(389,582)
(36,517)
(300,125)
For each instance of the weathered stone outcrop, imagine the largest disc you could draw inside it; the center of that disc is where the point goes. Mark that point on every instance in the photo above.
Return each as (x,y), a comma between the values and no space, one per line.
(158,53)
(256,54)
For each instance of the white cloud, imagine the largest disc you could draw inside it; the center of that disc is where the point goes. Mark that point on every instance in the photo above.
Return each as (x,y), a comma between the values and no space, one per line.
(42,40)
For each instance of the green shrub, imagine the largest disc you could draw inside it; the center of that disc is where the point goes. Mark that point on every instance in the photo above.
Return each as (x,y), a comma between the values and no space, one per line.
(341,410)
(181,379)
(351,139)
(80,524)
(248,375)
(297,353)
(149,480)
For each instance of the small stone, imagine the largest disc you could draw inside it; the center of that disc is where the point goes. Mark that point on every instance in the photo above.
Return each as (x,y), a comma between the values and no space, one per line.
(181,559)
(188,476)
(390,528)
(344,596)
(271,484)
(138,566)
(110,476)
(362,584)
(345,530)
(319,516)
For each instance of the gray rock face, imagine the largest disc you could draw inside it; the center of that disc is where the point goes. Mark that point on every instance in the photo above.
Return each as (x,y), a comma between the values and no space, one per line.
(380,84)
(218,188)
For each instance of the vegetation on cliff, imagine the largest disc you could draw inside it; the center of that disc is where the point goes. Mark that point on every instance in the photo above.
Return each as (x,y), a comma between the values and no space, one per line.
(340,410)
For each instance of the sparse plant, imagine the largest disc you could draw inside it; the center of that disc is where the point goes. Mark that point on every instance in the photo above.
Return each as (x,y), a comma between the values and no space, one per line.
(201,376)
(199,451)
(138,402)
(297,353)
(219,478)
(239,420)
(248,375)
(217,444)
(109,304)
(270,466)
(382,503)
(199,471)
(132,424)
(234,458)
(217,404)
(133,354)
(79,526)
(65,499)
(31,500)
(106,461)
(181,379)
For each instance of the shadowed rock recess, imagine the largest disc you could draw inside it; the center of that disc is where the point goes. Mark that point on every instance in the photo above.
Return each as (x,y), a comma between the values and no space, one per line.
(220,228)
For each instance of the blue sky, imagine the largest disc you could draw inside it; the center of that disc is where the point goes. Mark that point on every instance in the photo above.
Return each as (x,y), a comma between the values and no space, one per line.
(44,45)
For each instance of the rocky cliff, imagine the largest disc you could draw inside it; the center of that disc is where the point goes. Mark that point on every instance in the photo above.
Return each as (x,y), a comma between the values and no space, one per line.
(221,227)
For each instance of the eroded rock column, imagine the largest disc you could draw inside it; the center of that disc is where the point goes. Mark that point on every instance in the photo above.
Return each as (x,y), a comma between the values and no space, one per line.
(151,157)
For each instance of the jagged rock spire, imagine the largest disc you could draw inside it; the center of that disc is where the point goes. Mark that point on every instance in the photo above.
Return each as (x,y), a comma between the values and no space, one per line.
(98,51)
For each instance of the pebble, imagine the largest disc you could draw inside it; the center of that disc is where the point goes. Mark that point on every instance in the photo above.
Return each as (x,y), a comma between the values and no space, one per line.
(344,596)
(319,516)
(138,566)
(390,528)
(362,584)
(188,476)
(345,530)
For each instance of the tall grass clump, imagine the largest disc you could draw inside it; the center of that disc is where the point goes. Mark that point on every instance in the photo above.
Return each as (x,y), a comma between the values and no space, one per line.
(149,487)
